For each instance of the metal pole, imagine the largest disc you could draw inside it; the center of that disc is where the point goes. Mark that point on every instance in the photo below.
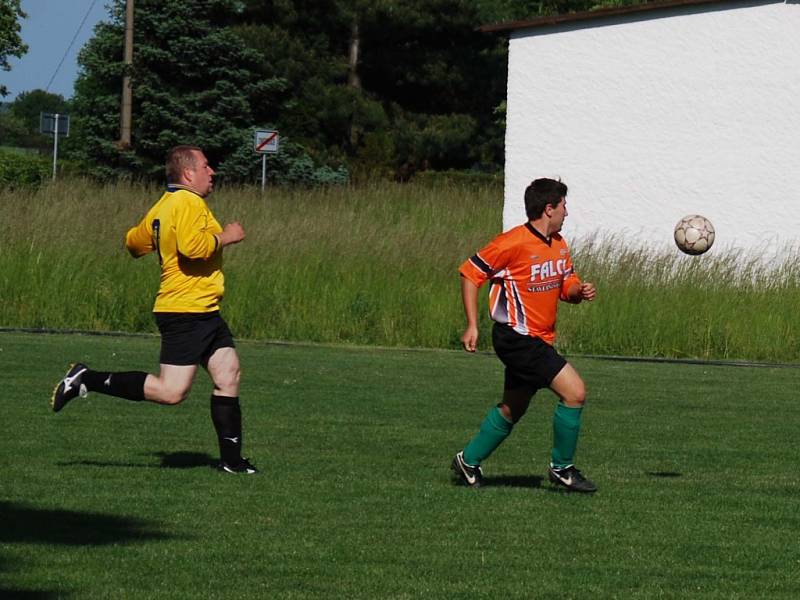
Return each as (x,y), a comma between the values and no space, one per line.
(127,92)
(55,148)
(263,171)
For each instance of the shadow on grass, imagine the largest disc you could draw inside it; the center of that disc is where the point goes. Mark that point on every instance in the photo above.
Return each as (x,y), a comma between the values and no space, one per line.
(19,593)
(168,460)
(186,460)
(521,481)
(23,524)
(26,525)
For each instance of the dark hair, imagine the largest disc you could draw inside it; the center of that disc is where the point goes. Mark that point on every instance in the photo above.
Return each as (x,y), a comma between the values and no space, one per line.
(178,159)
(542,192)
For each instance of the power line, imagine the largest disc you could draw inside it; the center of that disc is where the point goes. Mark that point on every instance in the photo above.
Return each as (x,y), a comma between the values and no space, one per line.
(66,52)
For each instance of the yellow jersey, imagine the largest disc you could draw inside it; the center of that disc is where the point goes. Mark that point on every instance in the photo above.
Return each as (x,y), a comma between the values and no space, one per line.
(182,231)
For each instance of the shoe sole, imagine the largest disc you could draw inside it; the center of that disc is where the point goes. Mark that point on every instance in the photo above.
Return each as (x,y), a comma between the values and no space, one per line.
(55,390)
(556,481)
(462,477)
(227,469)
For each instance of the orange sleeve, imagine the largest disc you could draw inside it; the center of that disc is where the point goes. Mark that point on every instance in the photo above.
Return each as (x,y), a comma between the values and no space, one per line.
(487,262)
(570,279)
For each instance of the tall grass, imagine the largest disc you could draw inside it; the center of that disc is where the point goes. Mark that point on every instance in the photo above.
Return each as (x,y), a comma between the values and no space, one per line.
(659,302)
(378,265)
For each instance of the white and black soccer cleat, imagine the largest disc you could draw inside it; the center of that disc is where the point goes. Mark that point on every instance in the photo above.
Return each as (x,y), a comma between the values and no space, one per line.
(572,479)
(467,474)
(243,467)
(70,387)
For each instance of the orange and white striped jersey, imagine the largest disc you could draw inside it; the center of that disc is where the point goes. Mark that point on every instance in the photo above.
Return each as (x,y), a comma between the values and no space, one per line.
(182,230)
(529,275)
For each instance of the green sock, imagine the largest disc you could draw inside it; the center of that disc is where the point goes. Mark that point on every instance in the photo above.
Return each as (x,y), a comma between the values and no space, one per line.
(566,427)
(494,429)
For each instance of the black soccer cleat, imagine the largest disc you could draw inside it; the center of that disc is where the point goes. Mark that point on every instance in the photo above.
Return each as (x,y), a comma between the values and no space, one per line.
(572,479)
(243,466)
(70,387)
(468,475)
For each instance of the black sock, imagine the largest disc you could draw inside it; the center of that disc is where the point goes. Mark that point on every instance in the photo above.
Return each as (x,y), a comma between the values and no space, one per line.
(226,414)
(128,385)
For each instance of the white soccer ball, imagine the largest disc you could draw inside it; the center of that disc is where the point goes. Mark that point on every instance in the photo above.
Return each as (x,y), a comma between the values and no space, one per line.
(694,234)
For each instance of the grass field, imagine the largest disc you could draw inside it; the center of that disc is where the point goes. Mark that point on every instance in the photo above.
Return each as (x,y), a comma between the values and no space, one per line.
(697,469)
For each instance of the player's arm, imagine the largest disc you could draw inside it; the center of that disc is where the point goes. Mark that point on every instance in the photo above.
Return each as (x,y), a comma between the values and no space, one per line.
(139,240)
(192,233)
(573,289)
(469,296)
(578,291)
(475,272)
(232,233)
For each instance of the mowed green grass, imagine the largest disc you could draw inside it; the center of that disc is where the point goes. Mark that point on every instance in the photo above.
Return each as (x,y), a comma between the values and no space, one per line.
(697,469)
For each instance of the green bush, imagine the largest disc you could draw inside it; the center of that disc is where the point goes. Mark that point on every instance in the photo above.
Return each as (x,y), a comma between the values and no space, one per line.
(291,166)
(18,169)
(454,177)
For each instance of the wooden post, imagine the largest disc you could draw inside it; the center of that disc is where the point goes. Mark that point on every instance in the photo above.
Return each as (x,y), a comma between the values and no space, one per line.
(127,92)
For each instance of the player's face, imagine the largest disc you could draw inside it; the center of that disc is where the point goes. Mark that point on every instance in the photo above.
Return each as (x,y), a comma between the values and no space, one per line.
(557,216)
(200,176)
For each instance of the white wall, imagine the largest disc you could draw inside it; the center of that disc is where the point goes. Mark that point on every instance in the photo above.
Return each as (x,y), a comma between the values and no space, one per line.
(653,116)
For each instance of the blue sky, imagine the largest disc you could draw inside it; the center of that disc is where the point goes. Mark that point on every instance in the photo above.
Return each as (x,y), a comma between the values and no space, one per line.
(50,27)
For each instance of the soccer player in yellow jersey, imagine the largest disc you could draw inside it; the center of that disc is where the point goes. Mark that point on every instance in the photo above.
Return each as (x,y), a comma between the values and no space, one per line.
(530,271)
(188,243)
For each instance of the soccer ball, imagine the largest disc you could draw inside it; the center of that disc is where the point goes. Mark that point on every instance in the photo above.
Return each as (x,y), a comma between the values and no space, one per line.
(694,234)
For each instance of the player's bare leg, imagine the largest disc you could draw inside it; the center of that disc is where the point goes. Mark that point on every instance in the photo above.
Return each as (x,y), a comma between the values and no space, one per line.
(569,387)
(515,404)
(571,390)
(226,413)
(171,385)
(223,367)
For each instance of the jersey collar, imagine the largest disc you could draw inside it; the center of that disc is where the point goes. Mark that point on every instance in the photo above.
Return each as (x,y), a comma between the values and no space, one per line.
(535,232)
(174,187)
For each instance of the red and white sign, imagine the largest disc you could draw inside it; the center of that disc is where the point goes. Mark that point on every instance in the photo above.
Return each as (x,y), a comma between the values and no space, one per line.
(266,141)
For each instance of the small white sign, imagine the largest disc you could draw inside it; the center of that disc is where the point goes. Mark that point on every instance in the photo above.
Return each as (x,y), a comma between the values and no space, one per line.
(266,141)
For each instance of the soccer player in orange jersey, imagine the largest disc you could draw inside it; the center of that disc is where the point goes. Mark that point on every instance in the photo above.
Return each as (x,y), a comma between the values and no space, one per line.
(530,271)
(188,243)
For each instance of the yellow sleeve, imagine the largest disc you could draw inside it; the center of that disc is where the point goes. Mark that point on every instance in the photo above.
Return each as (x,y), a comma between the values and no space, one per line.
(193,230)
(139,240)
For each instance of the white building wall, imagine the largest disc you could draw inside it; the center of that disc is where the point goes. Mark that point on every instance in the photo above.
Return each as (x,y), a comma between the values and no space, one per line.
(653,116)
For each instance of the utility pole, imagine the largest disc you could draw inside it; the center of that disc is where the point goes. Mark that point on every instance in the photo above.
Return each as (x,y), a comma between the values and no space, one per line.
(127,92)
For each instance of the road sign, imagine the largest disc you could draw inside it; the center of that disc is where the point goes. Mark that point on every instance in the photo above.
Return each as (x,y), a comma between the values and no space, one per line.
(57,125)
(266,141)
(49,121)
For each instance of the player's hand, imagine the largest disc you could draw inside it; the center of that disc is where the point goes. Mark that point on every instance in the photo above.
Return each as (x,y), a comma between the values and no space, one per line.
(232,233)
(470,339)
(588,291)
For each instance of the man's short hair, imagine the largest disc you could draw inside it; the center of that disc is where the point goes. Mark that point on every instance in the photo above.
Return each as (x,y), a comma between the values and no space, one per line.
(178,159)
(542,192)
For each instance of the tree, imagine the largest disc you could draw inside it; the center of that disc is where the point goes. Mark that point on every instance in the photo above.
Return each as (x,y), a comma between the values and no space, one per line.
(407,84)
(28,106)
(193,82)
(19,125)
(12,130)
(10,40)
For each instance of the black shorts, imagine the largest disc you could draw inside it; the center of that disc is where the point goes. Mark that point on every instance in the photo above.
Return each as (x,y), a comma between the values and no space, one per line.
(191,338)
(531,363)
